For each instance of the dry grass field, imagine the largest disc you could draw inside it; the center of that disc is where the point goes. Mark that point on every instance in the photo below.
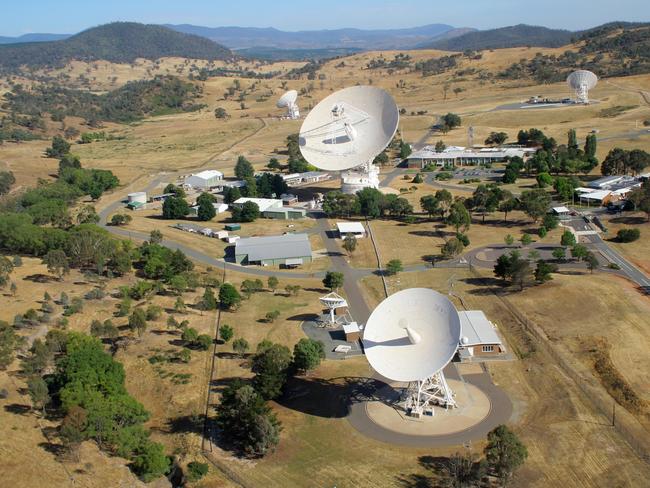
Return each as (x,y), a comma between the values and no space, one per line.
(637,251)
(569,443)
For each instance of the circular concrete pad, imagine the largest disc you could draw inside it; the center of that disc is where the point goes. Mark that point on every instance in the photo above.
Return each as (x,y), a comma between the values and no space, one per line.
(474,407)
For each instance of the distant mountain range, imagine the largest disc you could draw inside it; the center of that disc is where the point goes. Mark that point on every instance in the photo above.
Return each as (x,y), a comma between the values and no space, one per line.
(126,41)
(249,37)
(119,42)
(33,38)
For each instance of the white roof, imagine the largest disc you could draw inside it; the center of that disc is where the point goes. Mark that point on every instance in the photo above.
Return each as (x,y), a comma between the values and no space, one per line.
(596,195)
(286,246)
(477,329)
(291,176)
(560,210)
(208,174)
(350,227)
(429,152)
(263,203)
(351,327)
(412,334)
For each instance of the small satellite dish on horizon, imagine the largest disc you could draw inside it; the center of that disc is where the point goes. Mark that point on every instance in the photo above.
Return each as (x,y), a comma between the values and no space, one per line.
(288,101)
(347,130)
(581,82)
(410,337)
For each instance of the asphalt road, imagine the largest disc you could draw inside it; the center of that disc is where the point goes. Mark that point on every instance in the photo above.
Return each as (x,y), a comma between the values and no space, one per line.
(631,271)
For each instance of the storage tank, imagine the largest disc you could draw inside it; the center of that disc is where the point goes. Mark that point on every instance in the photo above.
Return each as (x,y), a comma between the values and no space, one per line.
(139,197)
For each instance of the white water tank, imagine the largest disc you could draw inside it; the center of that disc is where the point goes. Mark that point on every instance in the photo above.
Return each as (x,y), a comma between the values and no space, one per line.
(139,197)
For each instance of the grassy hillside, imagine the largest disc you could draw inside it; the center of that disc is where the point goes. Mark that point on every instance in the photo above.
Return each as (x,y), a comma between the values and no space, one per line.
(119,42)
(611,50)
(137,99)
(513,36)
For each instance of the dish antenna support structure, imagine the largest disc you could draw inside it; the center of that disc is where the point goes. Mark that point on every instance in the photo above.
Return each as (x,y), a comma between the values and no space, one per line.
(346,131)
(288,101)
(410,337)
(581,82)
(332,301)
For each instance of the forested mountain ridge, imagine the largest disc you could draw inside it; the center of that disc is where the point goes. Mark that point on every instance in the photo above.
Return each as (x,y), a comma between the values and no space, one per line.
(118,42)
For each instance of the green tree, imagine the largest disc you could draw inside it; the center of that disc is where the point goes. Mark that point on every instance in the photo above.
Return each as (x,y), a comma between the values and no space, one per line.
(307,354)
(271,366)
(9,341)
(559,253)
(189,336)
(220,113)
(535,203)
(543,271)
(138,321)
(271,316)
(246,421)
(451,121)
(272,283)
(507,206)
(240,346)
(526,239)
(592,261)
(209,301)
(496,138)
(7,179)
(38,393)
(504,452)
(196,471)
(579,251)
(459,217)
(509,240)
(370,202)
(249,212)
(350,243)
(59,148)
(440,146)
(333,280)
(568,239)
(57,263)
(175,208)
(229,297)
(226,333)
(243,168)
(429,204)
(206,210)
(452,248)
(550,221)
(394,266)
(150,461)
(591,144)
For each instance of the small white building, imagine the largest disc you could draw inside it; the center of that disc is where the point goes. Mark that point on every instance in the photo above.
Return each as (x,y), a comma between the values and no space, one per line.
(561,212)
(355,229)
(479,336)
(264,204)
(137,197)
(205,180)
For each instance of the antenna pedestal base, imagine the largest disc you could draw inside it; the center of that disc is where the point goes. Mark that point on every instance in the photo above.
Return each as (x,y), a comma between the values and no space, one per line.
(365,176)
(421,396)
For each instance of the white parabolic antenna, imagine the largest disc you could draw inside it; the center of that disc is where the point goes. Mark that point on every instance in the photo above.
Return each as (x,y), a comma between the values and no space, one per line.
(410,337)
(288,101)
(347,130)
(581,82)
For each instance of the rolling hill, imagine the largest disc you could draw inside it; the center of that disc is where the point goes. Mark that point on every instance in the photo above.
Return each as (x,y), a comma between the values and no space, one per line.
(249,37)
(513,36)
(119,42)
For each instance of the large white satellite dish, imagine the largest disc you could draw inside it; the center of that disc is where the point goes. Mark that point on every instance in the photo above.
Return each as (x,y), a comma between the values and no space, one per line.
(410,337)
(581,82)
(288,101)
(347,130)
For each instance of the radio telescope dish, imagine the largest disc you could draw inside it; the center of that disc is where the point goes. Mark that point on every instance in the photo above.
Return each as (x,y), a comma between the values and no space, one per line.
(410,337)
(347,130)
(581,82)
(288,101)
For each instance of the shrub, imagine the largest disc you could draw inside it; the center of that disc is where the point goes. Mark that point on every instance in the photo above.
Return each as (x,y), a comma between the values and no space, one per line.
(628,235)
(196,470)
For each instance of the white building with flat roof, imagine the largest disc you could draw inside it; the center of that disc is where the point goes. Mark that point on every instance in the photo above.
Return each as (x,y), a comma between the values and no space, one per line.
(355,229)
(264,204)
(460,156)
(205,179)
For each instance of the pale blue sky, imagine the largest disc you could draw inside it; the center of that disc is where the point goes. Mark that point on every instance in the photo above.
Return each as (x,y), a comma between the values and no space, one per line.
(70,16)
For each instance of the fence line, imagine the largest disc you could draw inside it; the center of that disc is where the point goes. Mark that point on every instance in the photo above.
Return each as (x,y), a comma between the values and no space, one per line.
(374,246)
(625,423)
